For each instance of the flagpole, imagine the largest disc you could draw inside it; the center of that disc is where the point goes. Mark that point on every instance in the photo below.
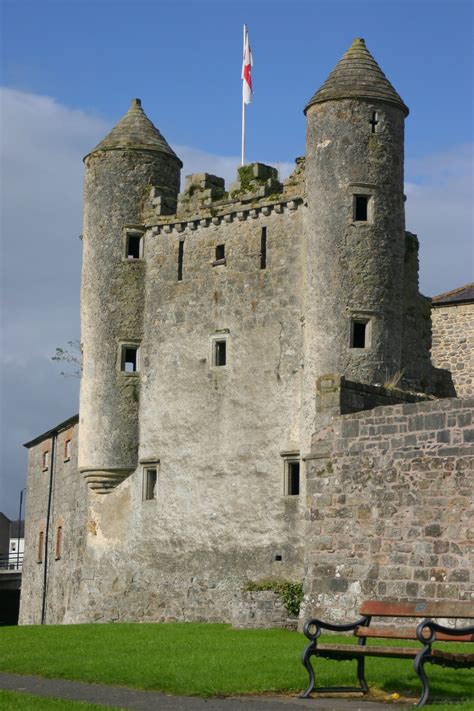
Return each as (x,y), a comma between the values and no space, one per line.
(243,110)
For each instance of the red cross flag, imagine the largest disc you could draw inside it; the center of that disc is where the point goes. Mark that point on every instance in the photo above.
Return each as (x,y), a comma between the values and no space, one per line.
(247,64)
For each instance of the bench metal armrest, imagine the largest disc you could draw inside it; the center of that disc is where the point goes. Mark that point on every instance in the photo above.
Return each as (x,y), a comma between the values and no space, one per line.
(434,627)
(318,625)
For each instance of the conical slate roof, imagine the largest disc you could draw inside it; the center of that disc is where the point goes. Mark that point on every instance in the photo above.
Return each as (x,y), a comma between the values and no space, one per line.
(357,75)
(135,131)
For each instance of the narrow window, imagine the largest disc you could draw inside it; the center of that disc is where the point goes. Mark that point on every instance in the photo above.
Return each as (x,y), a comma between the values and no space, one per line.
(219,357)
(359,334)
(220,252)
(39,556)
(134,246)
(59,542)
(149,485)
(263,249)
(45,460)
(374,121)
(129,359)
(67,450)
(293,478)
(361,208)
(180,260)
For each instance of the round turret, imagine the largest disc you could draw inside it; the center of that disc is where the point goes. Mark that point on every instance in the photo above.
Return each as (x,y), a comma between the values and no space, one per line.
(356,224)
(120,171)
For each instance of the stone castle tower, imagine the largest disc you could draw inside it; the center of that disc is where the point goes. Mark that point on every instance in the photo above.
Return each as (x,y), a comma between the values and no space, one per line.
(220,330)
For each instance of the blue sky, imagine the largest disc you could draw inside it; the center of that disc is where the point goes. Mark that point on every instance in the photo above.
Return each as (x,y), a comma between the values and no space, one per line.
(68,71)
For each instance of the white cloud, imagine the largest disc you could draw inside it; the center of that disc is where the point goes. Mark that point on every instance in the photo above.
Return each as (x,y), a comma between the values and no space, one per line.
(439,209)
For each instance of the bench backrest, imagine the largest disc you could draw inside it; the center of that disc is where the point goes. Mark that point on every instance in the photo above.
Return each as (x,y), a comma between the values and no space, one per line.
(422,608)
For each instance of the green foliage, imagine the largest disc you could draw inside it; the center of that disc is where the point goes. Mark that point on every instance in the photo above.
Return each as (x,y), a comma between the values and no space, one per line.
(246,176)
(209,660)
(290,593)
(16,701)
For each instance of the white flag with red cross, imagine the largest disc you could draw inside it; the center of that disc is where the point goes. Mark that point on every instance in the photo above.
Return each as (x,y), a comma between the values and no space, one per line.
(247,65)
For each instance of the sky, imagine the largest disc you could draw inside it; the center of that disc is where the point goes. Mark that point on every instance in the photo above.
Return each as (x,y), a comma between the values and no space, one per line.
(69,69)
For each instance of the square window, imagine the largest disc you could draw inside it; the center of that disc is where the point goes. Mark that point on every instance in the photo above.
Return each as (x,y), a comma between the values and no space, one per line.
(292,478)
(219,356)
(360,333)
(129,359)
(361,208)
(149,484)
(134,245)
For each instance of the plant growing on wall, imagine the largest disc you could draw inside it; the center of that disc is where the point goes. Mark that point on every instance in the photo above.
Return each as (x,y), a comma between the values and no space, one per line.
(291,593)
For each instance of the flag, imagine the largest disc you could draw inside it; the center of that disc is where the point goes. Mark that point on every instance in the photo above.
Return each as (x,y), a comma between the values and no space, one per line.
(247,64)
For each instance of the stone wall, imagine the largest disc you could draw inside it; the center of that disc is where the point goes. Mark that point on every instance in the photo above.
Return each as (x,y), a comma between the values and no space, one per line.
(453,344)
(68,511)
(390,507)
(261,609)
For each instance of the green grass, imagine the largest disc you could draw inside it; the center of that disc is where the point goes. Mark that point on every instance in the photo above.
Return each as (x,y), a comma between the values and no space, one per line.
(207,660)
(16,701)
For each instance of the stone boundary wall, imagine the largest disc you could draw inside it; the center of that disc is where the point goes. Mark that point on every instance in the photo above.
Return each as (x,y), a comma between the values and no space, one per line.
(390,508)
(453,344)
(335,395)
(261,609)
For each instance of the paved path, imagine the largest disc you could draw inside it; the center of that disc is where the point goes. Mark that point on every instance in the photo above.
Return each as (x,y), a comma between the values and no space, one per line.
(125,698)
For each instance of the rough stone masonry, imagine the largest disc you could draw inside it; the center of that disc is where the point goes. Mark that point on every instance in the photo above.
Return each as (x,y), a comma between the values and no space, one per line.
(227,336)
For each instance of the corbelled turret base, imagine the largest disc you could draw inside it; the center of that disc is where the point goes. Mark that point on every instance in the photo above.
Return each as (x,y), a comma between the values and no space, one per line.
(101,481)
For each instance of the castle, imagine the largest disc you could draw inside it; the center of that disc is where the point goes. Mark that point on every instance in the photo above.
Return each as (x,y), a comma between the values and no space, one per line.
(235,344)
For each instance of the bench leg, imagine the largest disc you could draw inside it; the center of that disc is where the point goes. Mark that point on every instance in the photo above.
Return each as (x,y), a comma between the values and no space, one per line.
(361,674)
(418,663)
(306,661)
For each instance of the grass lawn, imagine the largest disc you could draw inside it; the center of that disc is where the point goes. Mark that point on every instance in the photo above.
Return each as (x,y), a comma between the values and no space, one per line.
(208,660)
(13,701)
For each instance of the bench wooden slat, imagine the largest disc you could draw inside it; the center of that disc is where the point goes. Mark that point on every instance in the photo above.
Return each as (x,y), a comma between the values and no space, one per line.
(422,608)
(359,651)
(408,633)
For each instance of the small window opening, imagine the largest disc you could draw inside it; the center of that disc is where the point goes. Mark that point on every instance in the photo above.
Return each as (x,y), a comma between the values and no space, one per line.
(134,246)
(59,542)
(359,334)
(130,359)
(180,260)
(46,459)
(374,121)
(361,208)
(220,252)
(67,449)
(39,556)
(150,484)
(278,557)
(293,478)
(220,352)
(263,249)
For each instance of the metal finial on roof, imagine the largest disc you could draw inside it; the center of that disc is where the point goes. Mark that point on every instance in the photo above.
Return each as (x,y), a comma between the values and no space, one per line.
(357,75)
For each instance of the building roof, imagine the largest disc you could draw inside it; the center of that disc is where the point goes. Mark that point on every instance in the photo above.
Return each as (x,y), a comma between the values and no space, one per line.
(461,295)
(135,131)
(357,75)
(66,424)
(14,532)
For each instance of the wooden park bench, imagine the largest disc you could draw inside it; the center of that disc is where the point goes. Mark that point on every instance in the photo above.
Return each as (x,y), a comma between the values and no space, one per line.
(427,632)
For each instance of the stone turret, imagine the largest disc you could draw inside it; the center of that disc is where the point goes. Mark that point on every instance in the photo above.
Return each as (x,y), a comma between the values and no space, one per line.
(120,171)
(355,223)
